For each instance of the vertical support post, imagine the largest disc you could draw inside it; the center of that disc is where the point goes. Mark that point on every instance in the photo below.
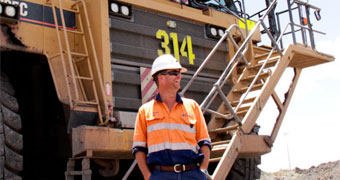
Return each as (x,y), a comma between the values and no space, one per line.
(291,21)
(69,168)
(86,174)
(303,31)
(245,17)
(311,35)
(279,28)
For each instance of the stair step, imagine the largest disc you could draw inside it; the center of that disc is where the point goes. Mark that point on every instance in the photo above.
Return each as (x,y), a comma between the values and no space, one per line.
(240,108)
(265,55)
(250,78)
(218,150)
(270,63)
(220,147)
(262,49)
(235,103)
(220,142)
(240,113)
(225,129)
(244,108)
(215,159)
(244,89)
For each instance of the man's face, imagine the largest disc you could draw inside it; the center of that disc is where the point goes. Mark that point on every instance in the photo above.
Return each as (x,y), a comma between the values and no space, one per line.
(172,79)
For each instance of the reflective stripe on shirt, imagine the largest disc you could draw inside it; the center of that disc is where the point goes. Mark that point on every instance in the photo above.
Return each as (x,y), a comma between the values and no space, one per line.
(172,146)
(140,144)
(171,126)
(205,139)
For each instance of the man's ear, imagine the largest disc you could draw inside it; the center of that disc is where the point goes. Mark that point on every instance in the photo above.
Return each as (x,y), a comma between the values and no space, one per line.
(160,77)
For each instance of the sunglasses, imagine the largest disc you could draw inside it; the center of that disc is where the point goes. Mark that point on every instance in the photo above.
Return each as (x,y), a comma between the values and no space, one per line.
(171,73)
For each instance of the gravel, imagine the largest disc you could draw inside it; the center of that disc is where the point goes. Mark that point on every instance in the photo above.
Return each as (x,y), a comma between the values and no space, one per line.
(325,171)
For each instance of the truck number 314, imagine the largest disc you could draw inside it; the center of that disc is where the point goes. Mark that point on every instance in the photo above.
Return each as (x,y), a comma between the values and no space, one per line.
(185,50)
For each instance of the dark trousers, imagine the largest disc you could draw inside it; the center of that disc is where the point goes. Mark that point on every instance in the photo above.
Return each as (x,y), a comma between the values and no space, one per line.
(194,174)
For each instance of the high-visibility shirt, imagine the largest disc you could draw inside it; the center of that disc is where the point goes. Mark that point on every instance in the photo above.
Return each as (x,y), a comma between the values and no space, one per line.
(171,138)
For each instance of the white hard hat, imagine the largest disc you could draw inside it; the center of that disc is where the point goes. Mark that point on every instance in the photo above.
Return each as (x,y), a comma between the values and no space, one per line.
(164,62)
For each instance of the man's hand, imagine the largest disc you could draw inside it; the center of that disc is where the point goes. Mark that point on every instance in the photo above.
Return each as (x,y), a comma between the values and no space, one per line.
(141,161)
(206,151)
(206,173)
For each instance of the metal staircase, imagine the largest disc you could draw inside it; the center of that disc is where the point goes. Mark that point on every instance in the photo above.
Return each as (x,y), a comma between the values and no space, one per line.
(82,74)
(231,124)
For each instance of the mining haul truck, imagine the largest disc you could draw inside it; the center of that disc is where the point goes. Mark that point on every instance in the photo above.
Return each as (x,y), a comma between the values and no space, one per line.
(75,72)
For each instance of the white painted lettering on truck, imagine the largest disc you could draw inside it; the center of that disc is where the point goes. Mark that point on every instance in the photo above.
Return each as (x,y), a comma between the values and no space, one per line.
(23,6)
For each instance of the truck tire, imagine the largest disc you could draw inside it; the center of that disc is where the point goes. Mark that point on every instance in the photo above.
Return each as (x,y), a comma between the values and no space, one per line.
(242,169)
(245,169)
(11,141)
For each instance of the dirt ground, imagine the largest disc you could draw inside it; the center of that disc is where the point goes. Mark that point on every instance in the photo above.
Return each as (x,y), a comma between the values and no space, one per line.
(325,171)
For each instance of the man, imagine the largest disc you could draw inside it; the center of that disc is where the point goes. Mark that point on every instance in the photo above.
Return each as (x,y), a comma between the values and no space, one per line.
(171,139)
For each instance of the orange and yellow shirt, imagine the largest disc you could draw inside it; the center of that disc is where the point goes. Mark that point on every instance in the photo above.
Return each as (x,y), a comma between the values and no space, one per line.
(171,138)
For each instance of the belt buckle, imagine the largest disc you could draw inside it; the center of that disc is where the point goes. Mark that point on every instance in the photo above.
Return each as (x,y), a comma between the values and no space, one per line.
(176,166)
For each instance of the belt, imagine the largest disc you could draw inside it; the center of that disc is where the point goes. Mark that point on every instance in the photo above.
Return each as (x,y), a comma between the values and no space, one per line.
(177,167)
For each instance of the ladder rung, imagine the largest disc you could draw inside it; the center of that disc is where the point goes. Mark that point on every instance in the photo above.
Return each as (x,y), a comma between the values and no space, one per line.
(77,173)
(79,54)
(230,128)
(85,109)
(220,142)
(87,103)
(77,60)
(74,173)
(75,4)
(76,32)
(54,56)
(72,10)
(215,159)
(84,78)
(234,103)
(242,90)
(249,78)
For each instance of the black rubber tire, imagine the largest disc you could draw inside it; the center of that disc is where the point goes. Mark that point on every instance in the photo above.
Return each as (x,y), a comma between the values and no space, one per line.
(245,169)
(11,140)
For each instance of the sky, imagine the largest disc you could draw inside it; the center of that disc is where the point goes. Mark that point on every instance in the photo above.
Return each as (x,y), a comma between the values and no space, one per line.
(309,134)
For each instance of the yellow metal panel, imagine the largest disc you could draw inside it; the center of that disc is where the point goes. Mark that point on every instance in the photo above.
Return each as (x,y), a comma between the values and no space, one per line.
(250,24)
(253,146)
(102,142)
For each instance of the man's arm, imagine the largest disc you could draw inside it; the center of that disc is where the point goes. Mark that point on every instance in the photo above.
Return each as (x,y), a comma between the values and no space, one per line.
(141,161)
(206,151)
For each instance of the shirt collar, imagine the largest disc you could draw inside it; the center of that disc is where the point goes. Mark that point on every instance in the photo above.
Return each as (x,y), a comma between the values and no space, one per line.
(178,98)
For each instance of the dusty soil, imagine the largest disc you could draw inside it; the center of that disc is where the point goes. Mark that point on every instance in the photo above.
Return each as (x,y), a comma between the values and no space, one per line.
(325,171)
